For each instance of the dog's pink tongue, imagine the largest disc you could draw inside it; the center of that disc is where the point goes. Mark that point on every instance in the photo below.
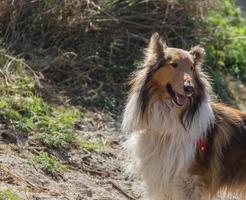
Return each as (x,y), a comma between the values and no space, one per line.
(181,99)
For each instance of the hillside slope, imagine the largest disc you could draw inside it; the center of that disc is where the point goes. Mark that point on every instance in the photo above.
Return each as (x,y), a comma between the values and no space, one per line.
(63,77)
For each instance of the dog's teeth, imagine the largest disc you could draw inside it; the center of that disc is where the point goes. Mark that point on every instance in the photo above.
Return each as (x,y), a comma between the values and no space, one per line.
(176,97)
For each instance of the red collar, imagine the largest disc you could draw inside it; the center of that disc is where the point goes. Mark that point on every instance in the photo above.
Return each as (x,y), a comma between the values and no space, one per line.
(202,145)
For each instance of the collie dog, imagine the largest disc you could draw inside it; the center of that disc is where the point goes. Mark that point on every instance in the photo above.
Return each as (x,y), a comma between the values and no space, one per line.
(182,145)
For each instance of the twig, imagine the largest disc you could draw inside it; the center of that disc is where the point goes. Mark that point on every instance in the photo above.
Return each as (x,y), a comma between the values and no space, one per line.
(83,169)
(181,38)
(26,65)
(100,9)
(121,190)
(32,185)
(5,77)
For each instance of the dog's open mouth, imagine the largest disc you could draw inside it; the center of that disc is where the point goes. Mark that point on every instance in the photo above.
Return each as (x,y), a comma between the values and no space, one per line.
(178,99)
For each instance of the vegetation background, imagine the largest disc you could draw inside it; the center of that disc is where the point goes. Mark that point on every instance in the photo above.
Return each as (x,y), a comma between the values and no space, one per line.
(64,65)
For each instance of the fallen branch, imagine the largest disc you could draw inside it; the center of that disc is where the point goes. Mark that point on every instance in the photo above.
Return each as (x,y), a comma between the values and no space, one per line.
(121,190)
(29,183)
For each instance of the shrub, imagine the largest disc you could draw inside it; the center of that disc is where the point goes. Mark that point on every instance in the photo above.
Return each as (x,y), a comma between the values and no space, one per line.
(226,44)
(24,108)
(48,164)
(91,47)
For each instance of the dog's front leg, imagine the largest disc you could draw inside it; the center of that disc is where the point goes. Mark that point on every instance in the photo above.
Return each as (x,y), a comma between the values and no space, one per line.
(188,188)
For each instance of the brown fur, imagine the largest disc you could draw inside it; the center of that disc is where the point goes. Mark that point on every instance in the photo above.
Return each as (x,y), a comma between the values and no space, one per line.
(225,164)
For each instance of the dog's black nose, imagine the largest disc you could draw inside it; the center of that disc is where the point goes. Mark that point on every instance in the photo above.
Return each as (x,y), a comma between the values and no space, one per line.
(189,89)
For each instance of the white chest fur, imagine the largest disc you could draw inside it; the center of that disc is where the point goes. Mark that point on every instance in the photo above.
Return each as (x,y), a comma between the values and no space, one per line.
(163,150)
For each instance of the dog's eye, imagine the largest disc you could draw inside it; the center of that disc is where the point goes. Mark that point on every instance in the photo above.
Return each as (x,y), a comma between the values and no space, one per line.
(175,65)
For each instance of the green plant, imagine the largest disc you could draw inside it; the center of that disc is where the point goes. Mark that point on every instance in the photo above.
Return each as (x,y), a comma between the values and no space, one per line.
(58,140)
(105,102)
(93,146)
(8,194)
(220,86)
(48,164)
(226,42)
(27,111)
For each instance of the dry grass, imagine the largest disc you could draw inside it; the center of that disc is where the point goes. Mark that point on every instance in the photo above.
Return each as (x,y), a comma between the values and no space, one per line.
(88,48)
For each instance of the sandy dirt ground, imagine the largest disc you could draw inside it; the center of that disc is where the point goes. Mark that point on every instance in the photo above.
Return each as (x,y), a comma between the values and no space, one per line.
(94,175)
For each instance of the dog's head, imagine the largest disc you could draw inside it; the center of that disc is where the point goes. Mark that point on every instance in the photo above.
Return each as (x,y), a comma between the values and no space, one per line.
(172,75)
(173,72)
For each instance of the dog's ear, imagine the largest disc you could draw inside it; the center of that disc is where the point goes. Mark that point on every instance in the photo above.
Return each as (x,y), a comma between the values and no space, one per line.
(155,48)
(198,54)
